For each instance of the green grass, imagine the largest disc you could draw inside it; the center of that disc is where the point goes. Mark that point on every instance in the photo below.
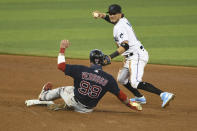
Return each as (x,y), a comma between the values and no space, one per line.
(167,28)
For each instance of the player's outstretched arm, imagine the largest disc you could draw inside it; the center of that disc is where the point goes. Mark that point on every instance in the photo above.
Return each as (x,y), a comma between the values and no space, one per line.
(97,14)
(121,49)
(133,105)
(61,58)
(63,45)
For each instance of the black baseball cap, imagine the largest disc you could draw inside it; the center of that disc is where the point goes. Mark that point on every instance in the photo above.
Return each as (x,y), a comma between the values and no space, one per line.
(114,9)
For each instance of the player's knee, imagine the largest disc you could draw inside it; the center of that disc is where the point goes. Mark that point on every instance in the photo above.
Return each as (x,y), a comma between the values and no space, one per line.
(122,80)
(123,76)
(68,89)
(134,84)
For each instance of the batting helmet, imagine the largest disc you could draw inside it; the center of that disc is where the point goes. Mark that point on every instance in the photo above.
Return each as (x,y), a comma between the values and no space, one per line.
(96,57)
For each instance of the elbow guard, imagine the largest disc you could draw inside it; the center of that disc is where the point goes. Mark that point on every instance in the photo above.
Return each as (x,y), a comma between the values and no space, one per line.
(125,46)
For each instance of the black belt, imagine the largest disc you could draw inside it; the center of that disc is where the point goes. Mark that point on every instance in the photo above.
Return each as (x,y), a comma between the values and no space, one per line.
(130,54)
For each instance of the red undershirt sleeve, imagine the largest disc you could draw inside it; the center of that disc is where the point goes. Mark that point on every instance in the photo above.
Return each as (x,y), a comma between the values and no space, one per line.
(122,96)
(62,66)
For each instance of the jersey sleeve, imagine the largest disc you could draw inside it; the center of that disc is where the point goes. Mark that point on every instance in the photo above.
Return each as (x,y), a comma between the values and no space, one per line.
(72,70)
(113,87)
(122,34)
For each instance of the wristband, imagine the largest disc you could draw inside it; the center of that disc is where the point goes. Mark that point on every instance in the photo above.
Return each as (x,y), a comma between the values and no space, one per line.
(116,53)
(62,50)
(61,59)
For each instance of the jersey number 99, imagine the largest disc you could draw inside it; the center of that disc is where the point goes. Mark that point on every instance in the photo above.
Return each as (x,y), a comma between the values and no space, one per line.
(93,91)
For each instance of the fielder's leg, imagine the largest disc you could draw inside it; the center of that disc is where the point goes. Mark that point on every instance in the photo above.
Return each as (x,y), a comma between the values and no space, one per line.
(138,71)
(136,74)
(166,97)
(122,78)
(137,82)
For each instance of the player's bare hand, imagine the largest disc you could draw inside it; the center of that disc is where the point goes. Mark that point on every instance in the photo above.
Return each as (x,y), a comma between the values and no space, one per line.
(97,14)
(64,44)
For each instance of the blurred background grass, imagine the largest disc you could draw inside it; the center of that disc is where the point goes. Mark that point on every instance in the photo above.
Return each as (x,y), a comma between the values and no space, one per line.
(167,28)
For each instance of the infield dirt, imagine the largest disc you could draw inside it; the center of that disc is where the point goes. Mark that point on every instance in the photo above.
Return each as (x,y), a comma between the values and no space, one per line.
(22,78)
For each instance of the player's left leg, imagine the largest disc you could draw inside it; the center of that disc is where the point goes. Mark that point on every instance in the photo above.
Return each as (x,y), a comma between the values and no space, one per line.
(66,93)
(137,68)
(48,94)
(68,96)
(165,96)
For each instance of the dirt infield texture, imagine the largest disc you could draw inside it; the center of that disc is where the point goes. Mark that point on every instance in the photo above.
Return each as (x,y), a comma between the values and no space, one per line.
(22,78)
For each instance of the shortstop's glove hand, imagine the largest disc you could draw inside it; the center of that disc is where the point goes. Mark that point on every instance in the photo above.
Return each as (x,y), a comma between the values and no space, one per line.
(106,60)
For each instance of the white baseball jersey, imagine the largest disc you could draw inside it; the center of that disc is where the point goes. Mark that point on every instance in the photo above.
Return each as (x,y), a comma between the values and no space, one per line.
(134,65)
(123,31)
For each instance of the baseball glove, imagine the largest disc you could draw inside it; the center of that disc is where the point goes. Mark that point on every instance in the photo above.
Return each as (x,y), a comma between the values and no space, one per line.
(57,107)
(106,60)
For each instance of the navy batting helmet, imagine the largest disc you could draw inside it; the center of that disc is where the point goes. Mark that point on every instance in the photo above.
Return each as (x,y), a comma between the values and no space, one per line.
(96,57)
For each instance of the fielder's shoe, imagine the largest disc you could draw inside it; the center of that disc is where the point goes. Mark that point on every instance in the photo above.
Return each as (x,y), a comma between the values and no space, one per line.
(46,87)
(141,100)
(166,98)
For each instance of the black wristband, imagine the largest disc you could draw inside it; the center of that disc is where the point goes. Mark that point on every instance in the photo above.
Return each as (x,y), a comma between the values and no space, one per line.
(108,19)
(114,54)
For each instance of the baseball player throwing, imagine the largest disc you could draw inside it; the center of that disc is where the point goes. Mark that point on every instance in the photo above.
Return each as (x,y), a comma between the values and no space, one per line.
(90,84)
(136,56)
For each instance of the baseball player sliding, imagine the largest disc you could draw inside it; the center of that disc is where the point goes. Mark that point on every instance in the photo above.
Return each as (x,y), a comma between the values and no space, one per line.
(90,85)
(136,56)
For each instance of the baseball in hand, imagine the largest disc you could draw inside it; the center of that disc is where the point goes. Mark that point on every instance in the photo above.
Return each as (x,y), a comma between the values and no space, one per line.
(96,14)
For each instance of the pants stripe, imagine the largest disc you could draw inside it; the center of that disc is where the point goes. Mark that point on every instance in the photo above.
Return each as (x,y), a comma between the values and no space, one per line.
(137,68)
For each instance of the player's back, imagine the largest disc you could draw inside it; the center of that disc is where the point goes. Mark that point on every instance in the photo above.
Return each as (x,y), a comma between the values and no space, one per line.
(90,84)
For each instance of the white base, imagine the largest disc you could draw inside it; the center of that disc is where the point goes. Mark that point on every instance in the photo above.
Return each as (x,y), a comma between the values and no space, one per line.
(37,102)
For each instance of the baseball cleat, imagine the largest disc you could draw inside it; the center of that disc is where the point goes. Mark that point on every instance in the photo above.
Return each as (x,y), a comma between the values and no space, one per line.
(166,98)
(141,100)
(135,106)
(46,87)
